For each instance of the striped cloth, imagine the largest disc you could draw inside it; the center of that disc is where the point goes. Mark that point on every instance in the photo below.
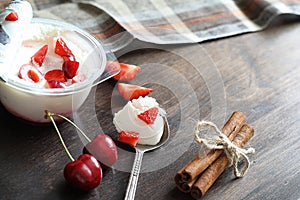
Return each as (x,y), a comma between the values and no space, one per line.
(118,22)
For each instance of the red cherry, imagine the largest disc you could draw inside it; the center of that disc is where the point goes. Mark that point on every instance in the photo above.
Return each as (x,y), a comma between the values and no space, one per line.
(103,148)
(84,173)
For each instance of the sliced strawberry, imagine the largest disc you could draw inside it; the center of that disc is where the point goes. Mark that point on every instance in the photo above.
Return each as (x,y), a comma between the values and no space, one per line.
(130,138)
(68,58)
(54,84)
(149,116)
(70,68)
(30,73)
(127,72)
(129,91)
(56,75)
(12,16)
(39,56)
(63,50)
(34,75)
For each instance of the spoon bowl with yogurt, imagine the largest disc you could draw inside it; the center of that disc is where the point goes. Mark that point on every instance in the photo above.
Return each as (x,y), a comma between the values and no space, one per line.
(140,149)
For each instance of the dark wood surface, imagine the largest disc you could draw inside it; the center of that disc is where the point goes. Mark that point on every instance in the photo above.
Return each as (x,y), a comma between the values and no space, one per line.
(257,74)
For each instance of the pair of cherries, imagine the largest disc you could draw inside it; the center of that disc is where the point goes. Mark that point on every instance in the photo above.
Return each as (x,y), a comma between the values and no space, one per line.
(85,172)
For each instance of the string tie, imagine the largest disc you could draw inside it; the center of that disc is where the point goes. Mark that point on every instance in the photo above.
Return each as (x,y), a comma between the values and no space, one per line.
(233,152)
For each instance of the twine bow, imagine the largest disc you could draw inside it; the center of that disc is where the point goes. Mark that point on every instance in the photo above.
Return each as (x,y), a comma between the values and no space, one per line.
(232,151)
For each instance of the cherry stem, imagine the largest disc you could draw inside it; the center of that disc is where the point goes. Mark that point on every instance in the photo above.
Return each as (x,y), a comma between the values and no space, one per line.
(50,115)
(68,120)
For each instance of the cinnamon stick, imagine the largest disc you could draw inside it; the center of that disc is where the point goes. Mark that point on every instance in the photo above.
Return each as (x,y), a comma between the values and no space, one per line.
(186,187)
(209,176)
(199,163)
(178,177)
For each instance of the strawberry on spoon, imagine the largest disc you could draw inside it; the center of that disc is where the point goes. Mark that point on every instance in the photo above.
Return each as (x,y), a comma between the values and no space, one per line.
(130,138)
(149,116)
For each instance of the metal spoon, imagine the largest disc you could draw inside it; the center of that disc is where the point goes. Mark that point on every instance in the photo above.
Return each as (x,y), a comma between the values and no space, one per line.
(140,150)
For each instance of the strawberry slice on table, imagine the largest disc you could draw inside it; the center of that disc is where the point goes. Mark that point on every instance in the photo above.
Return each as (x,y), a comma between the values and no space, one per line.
(130,138)
(63,50)
(129,91)
(12,16)
(30,73)
(39,56)
(127,72)
(149,116)
(55,75)
(70,68)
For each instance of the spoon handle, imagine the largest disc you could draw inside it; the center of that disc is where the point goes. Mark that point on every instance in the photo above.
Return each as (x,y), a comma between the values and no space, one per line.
(134,176)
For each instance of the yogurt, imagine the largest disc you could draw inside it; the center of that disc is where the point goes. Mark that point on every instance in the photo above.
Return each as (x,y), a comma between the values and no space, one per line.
(11,31)
(46,34)
(29,100)
(127,120)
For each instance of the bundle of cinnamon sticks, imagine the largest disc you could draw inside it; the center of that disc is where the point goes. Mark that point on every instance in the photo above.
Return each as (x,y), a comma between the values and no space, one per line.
(198,175)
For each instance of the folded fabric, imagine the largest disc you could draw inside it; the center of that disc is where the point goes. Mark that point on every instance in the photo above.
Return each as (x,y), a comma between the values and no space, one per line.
(91,19)
(118,22)
(189,21)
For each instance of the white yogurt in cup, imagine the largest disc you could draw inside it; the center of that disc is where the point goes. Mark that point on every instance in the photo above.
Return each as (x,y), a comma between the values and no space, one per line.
(29,100)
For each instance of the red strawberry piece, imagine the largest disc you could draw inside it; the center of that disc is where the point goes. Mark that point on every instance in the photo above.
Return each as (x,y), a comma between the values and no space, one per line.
(63,50)
(103,148)
(54,84)
(30,73)
(56,75)
(39,56)
(130,138)
(34,75)
(70,68)
(12,16)
(149,116)
(127,72)
(68,58)
(84,173)
(129,91)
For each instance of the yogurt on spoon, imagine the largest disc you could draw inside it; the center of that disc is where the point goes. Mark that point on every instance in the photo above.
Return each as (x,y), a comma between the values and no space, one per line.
(128,120)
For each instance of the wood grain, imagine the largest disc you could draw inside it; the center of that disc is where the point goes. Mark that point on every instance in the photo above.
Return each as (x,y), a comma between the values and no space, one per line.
(259,75)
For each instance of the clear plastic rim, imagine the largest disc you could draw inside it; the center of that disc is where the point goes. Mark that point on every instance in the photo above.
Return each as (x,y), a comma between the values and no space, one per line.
(80,86)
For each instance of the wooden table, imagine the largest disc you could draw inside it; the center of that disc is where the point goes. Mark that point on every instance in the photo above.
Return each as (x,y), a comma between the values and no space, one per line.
(257,74)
